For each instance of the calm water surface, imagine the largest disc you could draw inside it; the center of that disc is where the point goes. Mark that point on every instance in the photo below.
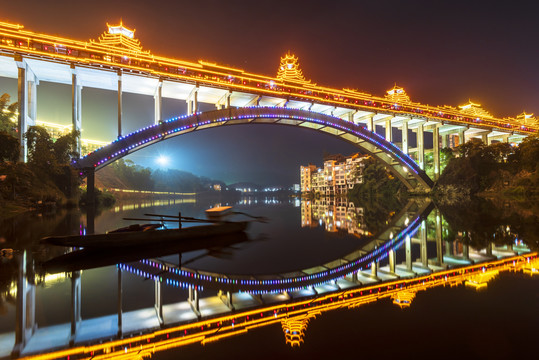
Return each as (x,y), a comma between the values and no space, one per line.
(445,322)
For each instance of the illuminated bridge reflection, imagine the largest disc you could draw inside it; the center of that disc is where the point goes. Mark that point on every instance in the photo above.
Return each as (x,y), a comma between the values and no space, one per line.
(233,305)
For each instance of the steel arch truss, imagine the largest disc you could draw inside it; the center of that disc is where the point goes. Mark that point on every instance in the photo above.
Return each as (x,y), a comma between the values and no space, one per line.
(399,163)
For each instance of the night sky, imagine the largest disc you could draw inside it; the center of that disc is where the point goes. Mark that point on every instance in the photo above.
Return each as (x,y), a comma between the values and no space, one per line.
(441,52)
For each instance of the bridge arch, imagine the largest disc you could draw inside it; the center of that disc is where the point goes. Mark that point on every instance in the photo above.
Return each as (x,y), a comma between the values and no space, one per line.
(399,163)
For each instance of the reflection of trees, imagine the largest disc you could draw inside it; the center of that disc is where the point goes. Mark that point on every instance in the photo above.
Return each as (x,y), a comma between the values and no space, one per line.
(8,275)
(482,222)
(24,230)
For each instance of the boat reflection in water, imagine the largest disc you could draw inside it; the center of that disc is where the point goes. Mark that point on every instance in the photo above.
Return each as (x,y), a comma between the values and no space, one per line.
(234,304)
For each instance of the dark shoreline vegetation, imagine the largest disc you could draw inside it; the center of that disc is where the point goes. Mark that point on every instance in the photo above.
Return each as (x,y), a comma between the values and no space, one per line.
(492,170)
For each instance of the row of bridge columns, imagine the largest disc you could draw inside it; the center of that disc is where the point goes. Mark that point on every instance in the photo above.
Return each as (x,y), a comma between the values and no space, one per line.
(27,100)
(440,139)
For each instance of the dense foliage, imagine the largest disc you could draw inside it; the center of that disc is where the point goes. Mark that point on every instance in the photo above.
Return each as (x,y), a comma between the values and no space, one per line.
(47,177)
(377,183)
(9,143)
(481,167)
(132,175)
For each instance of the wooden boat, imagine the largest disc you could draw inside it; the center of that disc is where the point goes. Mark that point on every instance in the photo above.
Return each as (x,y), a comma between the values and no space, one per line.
(219,212)
(147,235)
(90,258)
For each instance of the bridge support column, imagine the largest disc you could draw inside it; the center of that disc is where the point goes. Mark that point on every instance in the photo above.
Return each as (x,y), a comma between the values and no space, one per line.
(462,136)
(392,261)
(488,249)
(75,305)
(374,268)
(465,251)
(408,248)
(119,103)
(119,304)
(370,123)
(192,101)
(484,138)
(158,302)
(90,186)
(26,103)
(194,301)
(423,244)
(405,136)
(76,106)
(444,140)
(421,147)
(158,102)
(25,311)
(227,299)
(439,249)
(436,151)
(389,132)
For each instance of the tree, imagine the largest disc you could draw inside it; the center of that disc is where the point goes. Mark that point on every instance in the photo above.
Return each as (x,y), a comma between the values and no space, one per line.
(65,147)
(9,147)
(40,149)
(7,114)
(528,153)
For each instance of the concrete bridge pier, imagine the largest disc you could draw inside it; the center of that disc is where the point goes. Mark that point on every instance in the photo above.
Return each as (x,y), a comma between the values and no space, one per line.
(158,102)
(76,105)
(192,101)
(25,324)
(224,101)
(423,244)
(436,151)
(119,303)
(75,305)
(462,136)
(392,261)
(444,140)
(408,249)
(405,136)
(194,300)
(439,230)
(421,146)
(119,103)
(90,186)
(389,129)
(370,124)
(26,102)
(466,251)
(374,269)
(158,304)
(227,299)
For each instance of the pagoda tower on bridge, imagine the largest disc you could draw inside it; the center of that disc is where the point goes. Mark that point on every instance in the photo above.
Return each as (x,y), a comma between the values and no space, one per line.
(398,94)
(289,70)
(473,109)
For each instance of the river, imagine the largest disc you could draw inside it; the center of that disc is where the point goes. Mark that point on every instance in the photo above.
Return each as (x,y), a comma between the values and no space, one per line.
(495,320)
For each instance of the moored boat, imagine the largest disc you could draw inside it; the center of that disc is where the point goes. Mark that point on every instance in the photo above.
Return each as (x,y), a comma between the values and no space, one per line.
(126,238)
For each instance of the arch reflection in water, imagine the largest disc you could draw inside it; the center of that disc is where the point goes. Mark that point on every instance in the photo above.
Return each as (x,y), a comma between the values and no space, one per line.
(256,301)
(293,315)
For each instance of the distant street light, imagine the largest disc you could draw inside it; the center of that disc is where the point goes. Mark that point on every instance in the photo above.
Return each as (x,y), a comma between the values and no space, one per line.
(163,161)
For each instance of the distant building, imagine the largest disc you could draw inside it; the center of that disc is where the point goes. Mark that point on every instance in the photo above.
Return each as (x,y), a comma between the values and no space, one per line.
(338,175)
(334,214)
